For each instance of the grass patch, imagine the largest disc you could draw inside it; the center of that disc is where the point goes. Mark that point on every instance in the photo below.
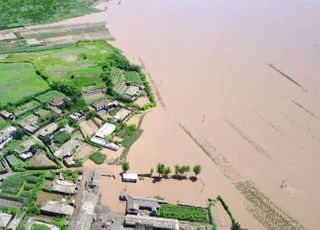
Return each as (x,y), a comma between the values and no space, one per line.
(19,80)
(40,227)
(3,123)
(98,157)
(49,96)
(17,13)
(129,133)
(183,212)
(133,77)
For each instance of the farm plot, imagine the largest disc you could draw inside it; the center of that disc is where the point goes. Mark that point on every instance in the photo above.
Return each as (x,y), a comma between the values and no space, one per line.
(28,107)
(21,79)
(183,212)
(16,163)
(88,128)
(13,184)
(40,158)
(80,64)
(49,96)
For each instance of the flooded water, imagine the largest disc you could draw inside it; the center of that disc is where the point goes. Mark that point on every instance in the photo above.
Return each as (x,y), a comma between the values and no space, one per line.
(242,76)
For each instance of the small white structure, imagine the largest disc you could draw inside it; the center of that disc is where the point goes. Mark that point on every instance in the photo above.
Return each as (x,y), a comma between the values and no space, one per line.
(130,177)
(26,156)
(106,130)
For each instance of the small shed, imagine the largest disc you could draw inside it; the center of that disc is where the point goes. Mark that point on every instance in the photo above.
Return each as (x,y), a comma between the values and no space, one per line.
(130,177)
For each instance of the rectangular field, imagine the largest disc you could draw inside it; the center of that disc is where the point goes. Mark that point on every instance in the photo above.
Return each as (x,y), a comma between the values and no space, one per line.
(183,212)
(19,80)
(47,97)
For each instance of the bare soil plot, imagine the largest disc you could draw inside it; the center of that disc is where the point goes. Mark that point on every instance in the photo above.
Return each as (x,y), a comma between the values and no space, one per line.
(134,120)
(220,216)
(44,196)
(84,151)
(94,96)
(141,101)
(39,158)
(88,127)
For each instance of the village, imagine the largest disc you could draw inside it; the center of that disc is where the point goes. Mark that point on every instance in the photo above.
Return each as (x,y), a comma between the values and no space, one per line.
(43,146)
(44,134)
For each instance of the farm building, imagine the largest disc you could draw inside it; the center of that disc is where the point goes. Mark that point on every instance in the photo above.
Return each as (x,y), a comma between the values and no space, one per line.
(64,187)
(122,114)
(94,179)
(48,130)
(6,133)
(32,222)
(59,101)
(154,222)
(66,150)
(134,205)
(5,114)
(105,104)
(129,177)
(5,219)
(25,146)
(57,208)
(78,116)
(26,155)
(106,130)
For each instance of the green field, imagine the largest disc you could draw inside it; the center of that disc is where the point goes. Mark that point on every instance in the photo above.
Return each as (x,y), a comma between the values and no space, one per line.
(47,97)
(19,80)
(30,106)
(80,63)
(16,12)
(183,212)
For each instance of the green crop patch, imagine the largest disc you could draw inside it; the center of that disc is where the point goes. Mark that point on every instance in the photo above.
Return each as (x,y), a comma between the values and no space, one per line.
(19,80)
(184,212)
(49,96)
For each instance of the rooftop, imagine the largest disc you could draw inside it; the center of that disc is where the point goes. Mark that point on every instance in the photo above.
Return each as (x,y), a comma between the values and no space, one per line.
(122,114)
(64,187)
(57,208)
(106,130)
(159,223)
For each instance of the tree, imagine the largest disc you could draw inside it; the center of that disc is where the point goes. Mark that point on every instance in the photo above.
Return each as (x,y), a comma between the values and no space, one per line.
(151,171)
(176,169)
(160,169)
(18,134)
(125,166)
(63,123)
(235,226)
(46,140)
(167,171)
(197,170)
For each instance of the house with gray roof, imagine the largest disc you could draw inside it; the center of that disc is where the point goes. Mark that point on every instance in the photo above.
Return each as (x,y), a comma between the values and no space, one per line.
(5,219)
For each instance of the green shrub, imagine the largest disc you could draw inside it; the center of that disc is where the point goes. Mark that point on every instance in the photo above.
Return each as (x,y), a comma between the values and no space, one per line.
(71,175)
(61,137)
(98,157)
